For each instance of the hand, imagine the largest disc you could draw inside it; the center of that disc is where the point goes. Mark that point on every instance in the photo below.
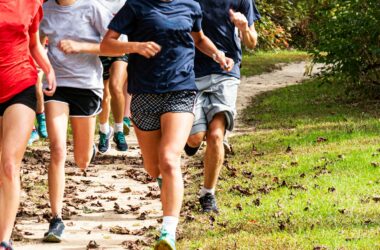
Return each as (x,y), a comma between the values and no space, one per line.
(239,20)
(148,49)
(52,84)
(229,64)
(70,46)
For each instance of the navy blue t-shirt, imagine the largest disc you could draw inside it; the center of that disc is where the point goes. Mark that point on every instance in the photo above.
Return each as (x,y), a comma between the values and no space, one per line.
(217,25)
(169,24)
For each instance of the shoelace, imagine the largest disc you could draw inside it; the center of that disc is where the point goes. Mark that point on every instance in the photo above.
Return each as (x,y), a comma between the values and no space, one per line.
(103,138)
(120,137)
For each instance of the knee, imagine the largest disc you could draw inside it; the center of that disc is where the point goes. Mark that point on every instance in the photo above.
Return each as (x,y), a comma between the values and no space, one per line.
(115,87)
(195,140)
(170,163)
(10,172)
(215,137)
(58,152)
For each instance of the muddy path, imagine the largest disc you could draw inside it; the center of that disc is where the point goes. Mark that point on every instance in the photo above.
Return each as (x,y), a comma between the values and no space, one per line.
(114,203)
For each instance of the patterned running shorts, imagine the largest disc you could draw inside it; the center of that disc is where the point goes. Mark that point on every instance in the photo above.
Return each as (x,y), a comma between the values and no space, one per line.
(147,109)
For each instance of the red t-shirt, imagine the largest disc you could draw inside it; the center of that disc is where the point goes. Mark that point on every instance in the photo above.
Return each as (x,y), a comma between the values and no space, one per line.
(18,72)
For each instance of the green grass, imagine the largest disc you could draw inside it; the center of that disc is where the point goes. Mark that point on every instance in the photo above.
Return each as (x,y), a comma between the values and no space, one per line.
(314,159)
(260,62)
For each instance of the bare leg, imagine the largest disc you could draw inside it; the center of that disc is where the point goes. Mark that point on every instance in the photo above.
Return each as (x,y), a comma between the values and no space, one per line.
(128,99)
(57,119)
(83,134)
(40,95)
(118,76)
(17,122)
(106,104)
(149,142)
(175,129)
(215,151)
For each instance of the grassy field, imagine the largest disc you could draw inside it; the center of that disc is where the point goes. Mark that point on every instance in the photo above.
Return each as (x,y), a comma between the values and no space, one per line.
(307,178)
(260,62)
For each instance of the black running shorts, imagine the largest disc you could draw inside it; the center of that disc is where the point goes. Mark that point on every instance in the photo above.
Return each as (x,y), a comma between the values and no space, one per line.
(26,97)
(147,109)
(82,102)
(107,62)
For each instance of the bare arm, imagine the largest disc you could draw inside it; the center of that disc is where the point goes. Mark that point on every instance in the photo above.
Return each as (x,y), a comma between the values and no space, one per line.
(248,34)
(39,55)
(111,44)
(206,46)
(74,47)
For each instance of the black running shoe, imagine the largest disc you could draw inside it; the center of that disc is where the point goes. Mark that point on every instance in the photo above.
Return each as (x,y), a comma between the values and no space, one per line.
(56,228)
(6,245)
(94,151)
(208,203)
(121,143)
(190,151)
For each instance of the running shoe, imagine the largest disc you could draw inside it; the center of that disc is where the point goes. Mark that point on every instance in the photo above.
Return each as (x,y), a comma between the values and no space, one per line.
(41,121)
(208,203)
(127,125)
(6,245)
(94,151)
(33,137)
(227,146)
(159,182)
(165,242)
(104,141)
(121,143)
(190,151)
(56,228)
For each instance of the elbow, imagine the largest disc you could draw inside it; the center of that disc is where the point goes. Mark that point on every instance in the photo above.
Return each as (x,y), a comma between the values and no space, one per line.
(251,45)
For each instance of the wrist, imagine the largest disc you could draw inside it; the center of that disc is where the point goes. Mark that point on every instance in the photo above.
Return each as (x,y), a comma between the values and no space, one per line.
(218,56)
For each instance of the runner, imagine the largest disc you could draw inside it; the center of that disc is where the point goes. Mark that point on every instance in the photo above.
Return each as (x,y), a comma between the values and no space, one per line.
(114,77)
(74,29)
(161,80)
(20,46)
(225,22)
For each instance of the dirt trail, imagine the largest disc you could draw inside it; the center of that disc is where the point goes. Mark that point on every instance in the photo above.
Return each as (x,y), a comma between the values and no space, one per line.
(113,193)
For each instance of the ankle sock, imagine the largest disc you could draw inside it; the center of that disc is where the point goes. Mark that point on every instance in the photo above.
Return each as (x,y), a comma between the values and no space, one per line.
(204,191)
(118,127)
(170,223)
(104,128)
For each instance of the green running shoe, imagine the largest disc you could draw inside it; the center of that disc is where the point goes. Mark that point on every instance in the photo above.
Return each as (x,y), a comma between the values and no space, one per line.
(165,242)
(121,143)
(41,127)
(33,137)
(127,125)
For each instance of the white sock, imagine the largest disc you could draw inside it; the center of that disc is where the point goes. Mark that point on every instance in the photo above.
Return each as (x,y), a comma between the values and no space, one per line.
(204,191)
(104,128)
(118,127)
(170,223)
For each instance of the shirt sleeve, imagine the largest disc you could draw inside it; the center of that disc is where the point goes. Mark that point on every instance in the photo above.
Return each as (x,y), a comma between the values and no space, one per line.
(249,9)
(101,18)
(36,20)
(197,26)
(124,22)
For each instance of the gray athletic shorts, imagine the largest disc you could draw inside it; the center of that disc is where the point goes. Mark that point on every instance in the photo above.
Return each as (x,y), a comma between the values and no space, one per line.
(217,94)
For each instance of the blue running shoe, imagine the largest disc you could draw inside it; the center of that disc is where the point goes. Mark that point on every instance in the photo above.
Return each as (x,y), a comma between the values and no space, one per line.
(56,228)
(127,125)
(41,127)
(104,141)
(33,137)
(165,242)
(6,245)
(121,143)
(208,203)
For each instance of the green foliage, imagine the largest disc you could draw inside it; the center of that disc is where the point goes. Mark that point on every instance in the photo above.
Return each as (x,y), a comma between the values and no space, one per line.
(347,36)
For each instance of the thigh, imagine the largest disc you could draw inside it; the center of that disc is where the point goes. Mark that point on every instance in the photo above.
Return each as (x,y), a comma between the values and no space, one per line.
(1,133)
(118,75)
(175,130)
(57,115)
(149,142)
(16,126)
(83,133)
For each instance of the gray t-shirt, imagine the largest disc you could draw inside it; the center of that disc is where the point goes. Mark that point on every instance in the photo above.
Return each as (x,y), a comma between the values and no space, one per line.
(83,21)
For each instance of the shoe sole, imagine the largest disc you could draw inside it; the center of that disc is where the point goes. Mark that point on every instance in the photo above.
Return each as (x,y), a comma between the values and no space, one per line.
(51,238)
(163,245)
(126,129)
